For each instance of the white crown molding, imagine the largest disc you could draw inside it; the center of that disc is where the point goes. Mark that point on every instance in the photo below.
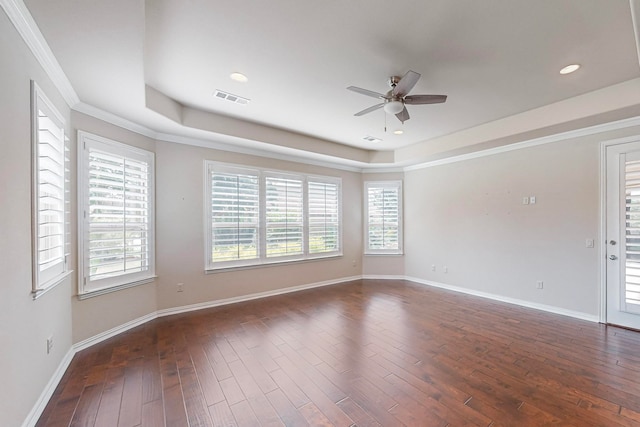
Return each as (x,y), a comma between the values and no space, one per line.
(123,123)
(591,130)
(297,157)
(115,120)
(46,394)
(21,18)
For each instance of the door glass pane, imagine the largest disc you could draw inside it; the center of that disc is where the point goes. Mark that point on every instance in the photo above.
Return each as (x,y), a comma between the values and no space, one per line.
(632,236)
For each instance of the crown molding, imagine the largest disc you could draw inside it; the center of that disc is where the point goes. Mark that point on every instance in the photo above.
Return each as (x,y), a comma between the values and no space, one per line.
(114,119)
(558,137)
(21,18)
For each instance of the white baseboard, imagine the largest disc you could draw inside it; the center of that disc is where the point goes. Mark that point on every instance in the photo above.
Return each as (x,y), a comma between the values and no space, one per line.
(46,394)
(226,301)
(113,332)
(544,307)
(383,277)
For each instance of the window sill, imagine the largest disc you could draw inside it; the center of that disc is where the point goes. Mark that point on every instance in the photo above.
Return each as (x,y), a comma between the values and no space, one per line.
(271,264)
(383,254)
(37,293)
(98,292)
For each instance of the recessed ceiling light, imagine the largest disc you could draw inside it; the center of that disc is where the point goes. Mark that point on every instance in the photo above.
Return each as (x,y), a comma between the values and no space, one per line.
(239,77)
(569,69)
(398,132)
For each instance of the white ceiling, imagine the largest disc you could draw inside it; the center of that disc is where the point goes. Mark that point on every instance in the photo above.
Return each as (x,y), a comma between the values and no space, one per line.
(493,58)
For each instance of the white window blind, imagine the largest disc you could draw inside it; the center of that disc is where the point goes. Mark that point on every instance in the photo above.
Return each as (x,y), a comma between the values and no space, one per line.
(284,216)
(632,236)
(324,217)
(255,216)
(384,217)
(234,213)
(50,188)
(117,213)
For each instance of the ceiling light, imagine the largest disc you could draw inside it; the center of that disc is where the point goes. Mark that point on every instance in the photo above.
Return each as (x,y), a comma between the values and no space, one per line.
(398,132)
(393,107)
(569,69)
(239,77)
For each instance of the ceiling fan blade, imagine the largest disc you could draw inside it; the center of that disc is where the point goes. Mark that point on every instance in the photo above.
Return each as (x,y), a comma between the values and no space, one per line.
(368,110)
(424,99)
(403,115)
(366,92)
(406,83)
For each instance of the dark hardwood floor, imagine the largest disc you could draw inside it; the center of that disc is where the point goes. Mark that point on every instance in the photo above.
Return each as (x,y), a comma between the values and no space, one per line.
(365,353)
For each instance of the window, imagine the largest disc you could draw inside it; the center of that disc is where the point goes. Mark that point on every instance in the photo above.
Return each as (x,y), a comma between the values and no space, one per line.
(383,203)
(116,238)
(324,216)
(234,215)
(257,217)
(50,194)
(284,216)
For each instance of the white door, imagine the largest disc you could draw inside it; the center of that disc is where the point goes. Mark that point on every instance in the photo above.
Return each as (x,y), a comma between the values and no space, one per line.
(623,234)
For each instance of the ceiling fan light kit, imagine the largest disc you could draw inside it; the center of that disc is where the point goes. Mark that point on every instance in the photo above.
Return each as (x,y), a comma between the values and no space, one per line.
(395,101)
(393,106)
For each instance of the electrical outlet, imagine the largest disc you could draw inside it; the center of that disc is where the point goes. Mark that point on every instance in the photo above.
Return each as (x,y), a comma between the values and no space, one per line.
(532,200)
(445,269)
(539,284)
(433,267)
(354,263)
(49,344)
(180,287)
(525,200)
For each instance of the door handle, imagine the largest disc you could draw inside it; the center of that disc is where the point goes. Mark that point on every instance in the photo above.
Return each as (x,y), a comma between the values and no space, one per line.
(613,257)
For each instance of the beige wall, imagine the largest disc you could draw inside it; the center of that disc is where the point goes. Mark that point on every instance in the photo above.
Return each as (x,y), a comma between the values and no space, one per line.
(25,324)
(180,231)
(469,217)
(180,238)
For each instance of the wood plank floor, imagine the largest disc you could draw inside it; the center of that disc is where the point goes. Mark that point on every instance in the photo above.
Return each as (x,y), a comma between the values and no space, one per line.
(363,353)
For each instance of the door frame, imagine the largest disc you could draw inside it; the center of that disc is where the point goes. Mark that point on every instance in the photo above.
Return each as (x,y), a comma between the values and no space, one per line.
(602,247)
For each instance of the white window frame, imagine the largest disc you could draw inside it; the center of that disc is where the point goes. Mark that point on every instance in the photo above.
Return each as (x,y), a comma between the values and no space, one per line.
(46,279)
(86,287)
(383,184)
(213,166)
(208,223)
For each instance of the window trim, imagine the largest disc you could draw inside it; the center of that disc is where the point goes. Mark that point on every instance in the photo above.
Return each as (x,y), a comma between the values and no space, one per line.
(396,184)
(39,101)
(262,259)
(122,281)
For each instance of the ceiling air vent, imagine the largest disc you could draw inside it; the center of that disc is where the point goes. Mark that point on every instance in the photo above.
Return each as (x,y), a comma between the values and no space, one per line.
(230,97)
(371,139)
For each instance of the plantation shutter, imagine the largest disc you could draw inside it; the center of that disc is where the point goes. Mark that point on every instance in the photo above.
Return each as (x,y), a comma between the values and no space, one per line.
(50,196)
(384,217)
(324,217)
(283,216)
(118,215)
(116,189)
(632,238)
(234,216)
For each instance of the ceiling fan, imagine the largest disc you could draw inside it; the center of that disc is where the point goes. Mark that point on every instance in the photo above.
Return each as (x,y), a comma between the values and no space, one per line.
(397,98)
